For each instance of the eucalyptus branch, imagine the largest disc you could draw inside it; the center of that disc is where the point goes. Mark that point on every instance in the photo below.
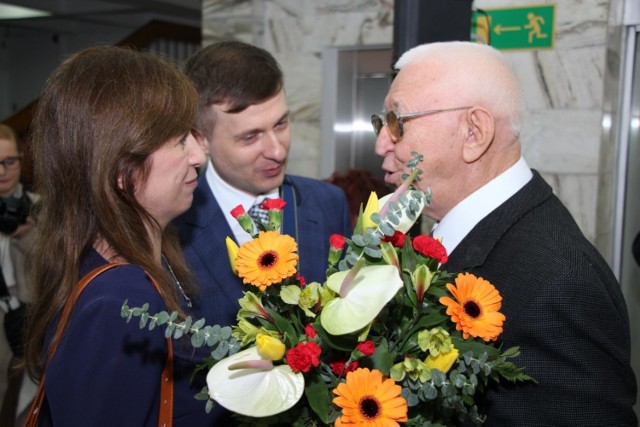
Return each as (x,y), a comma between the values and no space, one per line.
(217,337)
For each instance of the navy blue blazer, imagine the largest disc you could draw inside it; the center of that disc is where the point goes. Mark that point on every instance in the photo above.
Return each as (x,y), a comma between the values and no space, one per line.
(563,307)
(314,210)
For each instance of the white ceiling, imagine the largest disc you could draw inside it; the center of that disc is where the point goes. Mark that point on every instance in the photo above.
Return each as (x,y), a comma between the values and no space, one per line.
(87,16)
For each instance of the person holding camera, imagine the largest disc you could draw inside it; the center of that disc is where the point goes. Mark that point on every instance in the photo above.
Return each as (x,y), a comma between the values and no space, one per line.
(16,222)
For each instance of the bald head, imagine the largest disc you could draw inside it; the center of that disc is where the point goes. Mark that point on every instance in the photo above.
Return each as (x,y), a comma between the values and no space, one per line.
(471,74)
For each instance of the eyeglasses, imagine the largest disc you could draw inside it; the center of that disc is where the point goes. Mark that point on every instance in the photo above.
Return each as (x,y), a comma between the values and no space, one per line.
(395,121)
(11,163)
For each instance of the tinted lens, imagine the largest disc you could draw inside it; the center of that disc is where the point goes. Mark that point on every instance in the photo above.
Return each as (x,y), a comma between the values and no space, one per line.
(376,121)
(394,126)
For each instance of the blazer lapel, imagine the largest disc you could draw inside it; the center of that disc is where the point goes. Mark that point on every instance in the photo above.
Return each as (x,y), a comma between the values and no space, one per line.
(304,225)
(476,246)
(210,228)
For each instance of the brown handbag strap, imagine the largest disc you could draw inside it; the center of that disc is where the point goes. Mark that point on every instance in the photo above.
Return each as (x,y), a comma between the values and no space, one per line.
(166,384)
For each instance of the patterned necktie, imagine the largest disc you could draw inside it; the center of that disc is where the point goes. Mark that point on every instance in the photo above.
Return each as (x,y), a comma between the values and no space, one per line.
(258,214)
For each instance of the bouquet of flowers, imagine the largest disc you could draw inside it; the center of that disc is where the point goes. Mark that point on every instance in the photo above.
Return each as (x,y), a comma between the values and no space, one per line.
(389,337)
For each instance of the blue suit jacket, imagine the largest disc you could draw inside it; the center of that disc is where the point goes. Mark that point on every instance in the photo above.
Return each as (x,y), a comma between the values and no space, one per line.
(314,210)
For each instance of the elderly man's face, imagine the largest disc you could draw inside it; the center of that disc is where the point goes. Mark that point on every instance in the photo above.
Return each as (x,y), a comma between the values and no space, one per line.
(437,137)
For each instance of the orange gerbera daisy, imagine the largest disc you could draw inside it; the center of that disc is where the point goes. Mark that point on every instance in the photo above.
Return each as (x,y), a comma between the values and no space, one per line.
(269,258)
(369,399)
(476,310)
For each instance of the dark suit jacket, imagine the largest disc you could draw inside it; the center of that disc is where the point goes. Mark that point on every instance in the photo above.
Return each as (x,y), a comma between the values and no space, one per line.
(313,212)
(563,307)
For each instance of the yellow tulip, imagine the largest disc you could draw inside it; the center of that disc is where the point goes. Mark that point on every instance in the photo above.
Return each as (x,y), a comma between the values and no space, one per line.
(232,250)
(442,362)
(371,208)
(270,347)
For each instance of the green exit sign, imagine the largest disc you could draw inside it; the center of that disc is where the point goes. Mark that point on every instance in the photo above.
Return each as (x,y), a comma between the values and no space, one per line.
(521,28)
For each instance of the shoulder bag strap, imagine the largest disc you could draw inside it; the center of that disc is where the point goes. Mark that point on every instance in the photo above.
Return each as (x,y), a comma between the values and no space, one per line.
(166,384)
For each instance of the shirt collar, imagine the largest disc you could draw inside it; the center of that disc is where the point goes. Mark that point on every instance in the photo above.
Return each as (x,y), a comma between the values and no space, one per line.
(460,220)
(228,197)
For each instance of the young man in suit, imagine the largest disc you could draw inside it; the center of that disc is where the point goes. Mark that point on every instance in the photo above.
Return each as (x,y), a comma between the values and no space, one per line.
(244,123)
(460,105)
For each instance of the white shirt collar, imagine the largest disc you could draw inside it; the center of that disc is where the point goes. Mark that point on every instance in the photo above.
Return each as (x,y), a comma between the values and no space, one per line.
(460,220)
(228,197)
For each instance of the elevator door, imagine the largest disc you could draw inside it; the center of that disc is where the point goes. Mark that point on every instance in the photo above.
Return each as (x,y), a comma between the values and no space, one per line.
(356,82)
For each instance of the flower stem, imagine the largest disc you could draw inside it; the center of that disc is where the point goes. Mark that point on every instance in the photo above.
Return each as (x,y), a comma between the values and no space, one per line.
(401,189)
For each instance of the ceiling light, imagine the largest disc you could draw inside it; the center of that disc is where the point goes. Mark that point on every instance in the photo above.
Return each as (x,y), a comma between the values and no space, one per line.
(8,11)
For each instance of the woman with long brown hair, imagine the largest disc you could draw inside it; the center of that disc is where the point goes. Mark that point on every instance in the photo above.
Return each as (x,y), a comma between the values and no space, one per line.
(114,162)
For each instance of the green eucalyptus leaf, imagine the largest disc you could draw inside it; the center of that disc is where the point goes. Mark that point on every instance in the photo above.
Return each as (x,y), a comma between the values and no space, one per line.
(197,339)
(387,229)
(199,324)
(373,252)
(169,331)
(220,351)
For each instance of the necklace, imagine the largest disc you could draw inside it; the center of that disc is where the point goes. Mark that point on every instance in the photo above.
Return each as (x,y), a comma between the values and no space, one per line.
(175,279)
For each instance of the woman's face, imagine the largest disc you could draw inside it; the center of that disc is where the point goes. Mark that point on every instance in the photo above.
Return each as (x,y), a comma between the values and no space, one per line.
(9,175)
(172,178)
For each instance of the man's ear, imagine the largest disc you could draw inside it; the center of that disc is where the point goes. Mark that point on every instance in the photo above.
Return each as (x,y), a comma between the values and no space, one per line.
(480,134)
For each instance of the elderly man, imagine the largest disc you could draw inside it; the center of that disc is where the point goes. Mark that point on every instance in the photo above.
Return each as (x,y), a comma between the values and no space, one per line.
(460,106)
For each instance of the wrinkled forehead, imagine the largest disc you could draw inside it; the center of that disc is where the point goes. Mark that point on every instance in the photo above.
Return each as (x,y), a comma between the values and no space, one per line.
(420,85)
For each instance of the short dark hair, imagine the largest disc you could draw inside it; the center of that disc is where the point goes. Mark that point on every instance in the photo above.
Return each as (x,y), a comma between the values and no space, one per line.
(235,73)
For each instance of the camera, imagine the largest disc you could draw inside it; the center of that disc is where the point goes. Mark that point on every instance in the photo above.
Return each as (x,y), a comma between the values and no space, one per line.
(13,212)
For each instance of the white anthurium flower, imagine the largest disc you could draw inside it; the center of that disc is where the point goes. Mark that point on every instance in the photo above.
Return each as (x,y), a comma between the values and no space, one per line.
(405,222)
(249,385)
(372,288)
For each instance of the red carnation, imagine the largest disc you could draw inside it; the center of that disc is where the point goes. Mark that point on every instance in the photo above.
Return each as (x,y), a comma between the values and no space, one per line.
(301,280)
(310,331)
(397,239)
(303,356)
(273,204)
(430,247)
(366,348)
(337,241)
(237,211)
(338,366)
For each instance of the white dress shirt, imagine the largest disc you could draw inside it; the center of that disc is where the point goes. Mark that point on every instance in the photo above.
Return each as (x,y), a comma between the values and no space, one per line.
(460,220)
(229,197)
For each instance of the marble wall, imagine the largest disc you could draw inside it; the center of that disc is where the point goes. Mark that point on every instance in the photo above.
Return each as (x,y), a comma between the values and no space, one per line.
(563,85)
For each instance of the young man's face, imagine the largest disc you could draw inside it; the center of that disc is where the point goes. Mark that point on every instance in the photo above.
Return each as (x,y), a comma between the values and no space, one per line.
(249,149)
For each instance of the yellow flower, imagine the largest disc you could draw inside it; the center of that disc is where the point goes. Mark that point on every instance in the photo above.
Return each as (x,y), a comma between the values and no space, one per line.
(475,308)
(414,368)
(269,347)
(443,361)
(367,398)
(232,250)
(371,208)
(245,331)
(267,259)
(435,341)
